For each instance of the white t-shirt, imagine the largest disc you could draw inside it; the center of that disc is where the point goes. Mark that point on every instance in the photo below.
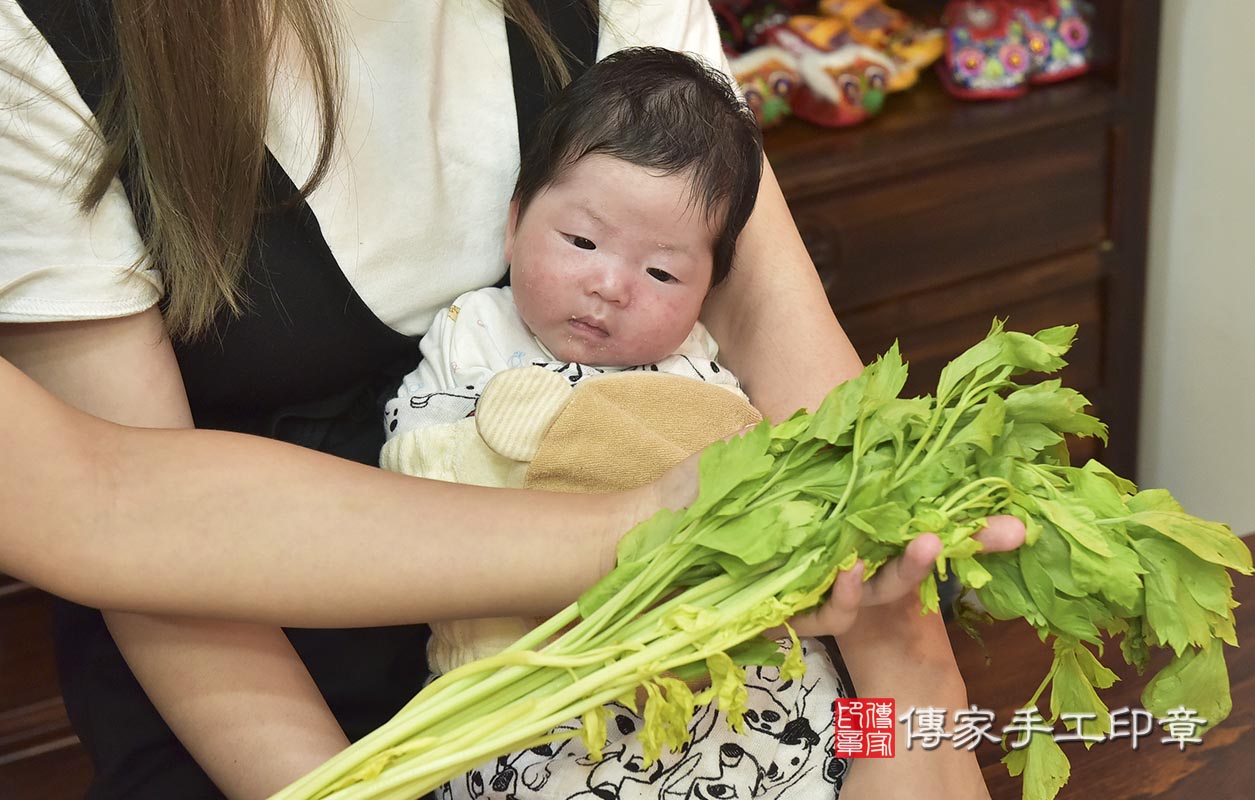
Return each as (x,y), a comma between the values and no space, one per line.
(414,208)
(482,334)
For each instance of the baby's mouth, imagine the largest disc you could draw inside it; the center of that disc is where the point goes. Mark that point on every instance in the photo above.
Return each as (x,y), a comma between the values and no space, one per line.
(589,325)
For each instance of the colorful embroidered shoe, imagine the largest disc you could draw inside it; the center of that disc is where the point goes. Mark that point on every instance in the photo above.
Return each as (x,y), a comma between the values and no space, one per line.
(842,84)
(769,79)
(914,49)
(987,55)
(743,24)
(826,34)
(1058,37)
(871,21)
(911,45)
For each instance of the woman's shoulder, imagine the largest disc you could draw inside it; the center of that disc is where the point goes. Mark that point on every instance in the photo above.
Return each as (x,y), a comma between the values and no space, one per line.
(33,73)
(59,262)
(684,25)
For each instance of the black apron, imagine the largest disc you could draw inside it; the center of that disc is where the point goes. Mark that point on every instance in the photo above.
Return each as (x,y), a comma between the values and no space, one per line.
(308,364)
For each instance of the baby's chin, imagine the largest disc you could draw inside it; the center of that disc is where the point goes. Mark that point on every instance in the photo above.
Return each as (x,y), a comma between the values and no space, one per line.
(573,350)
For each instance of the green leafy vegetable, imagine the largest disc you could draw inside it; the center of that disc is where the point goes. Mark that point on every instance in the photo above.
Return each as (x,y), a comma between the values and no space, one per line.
(784,508)
(1043,764)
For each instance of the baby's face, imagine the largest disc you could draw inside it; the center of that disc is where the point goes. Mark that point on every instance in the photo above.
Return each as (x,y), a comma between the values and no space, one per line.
(610,263)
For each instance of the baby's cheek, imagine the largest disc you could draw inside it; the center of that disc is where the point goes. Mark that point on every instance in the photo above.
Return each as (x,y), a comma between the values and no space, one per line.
(537,297)
(682,311)
(671,324)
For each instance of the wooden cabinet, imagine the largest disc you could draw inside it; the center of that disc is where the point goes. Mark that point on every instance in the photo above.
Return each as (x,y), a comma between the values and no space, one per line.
(924,224)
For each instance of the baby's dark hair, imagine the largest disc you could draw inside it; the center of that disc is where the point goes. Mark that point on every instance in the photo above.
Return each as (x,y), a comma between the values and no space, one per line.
(663,111)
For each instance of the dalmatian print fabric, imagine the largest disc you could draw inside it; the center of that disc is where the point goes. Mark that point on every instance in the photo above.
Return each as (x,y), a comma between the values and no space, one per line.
(786,752)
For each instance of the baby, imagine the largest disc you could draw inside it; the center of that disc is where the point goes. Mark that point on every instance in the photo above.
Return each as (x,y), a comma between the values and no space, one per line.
(626,213)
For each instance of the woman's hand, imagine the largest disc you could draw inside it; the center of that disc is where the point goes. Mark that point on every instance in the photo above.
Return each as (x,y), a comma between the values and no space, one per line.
(897,583)
(891,650)
(892,591)
(676,489)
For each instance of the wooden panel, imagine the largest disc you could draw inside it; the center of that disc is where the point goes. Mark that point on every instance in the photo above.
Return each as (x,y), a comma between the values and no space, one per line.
(1082,450)
(54,768)
(929,349)
(934,327)
(26,658)
(39,754)
(33,730)
(1132,147)
(924,127)
(1044,196)
(1221,767)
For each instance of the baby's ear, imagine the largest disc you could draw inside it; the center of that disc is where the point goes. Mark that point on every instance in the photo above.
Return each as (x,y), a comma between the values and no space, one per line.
(512,221)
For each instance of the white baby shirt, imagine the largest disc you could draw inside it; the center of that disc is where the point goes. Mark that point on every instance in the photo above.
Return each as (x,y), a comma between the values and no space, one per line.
(482,334)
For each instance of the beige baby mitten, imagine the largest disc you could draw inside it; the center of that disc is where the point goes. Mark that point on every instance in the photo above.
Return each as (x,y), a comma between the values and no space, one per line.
(517,407)
(626,429)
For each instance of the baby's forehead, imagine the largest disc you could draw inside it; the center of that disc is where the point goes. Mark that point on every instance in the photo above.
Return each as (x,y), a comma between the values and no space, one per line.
(692,197)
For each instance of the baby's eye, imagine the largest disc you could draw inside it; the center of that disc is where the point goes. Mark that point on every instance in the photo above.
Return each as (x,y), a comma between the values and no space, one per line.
(581,242)
(660,275)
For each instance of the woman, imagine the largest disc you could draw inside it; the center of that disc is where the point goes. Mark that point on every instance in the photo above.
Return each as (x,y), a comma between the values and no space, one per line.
(290,323)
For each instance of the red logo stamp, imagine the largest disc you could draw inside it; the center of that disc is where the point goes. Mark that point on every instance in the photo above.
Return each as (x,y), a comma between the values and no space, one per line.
(864,727)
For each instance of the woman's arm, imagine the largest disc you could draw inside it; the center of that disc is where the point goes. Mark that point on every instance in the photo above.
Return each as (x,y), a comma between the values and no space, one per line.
(237,695)
(771,317)
(918,671)
(270,532)
(125,518)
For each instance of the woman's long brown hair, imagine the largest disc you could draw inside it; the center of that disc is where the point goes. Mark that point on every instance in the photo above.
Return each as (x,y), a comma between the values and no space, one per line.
(185,115)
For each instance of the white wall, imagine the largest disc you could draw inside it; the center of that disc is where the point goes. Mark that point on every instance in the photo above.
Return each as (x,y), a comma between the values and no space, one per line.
(1198,412)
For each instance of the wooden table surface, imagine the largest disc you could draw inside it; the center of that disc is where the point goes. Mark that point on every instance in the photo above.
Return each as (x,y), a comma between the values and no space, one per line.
(1221,768)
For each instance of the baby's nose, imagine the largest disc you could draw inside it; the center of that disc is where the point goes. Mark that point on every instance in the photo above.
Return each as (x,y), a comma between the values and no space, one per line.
(610,285)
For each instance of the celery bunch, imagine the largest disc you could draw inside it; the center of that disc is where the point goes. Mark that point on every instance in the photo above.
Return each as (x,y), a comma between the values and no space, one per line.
(783,508)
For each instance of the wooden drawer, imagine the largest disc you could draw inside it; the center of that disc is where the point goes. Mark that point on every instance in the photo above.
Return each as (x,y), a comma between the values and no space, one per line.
(53,773)
(933,327)
(990,207)
(33,724)
(27,668)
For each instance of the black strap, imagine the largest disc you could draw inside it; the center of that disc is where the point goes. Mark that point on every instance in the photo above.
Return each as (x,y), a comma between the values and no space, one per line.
(81,34)
(573,24)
